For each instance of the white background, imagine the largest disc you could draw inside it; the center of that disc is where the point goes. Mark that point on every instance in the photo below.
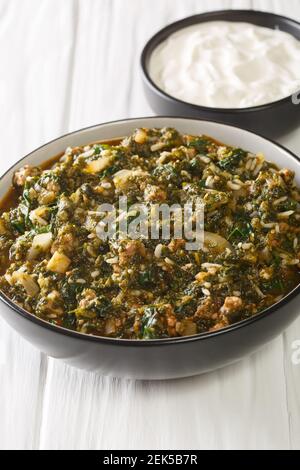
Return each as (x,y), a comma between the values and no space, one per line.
(65,64)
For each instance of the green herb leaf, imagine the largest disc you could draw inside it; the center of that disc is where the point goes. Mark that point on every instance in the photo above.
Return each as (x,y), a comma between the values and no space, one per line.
(232,159)
(148,323)
(200,144)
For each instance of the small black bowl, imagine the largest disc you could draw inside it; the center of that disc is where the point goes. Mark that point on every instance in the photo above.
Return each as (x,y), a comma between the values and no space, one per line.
(272,119)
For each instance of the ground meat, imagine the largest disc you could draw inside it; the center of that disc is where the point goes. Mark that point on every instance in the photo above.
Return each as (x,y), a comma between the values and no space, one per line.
(23,173)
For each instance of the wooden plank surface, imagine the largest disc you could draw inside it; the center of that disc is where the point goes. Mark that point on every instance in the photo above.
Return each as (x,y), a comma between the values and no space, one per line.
(65,65)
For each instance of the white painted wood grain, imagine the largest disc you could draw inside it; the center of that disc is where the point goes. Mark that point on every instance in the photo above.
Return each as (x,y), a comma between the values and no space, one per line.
(70,64)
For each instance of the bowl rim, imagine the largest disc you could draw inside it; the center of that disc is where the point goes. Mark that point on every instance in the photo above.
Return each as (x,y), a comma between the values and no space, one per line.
(152,342)
(171,28)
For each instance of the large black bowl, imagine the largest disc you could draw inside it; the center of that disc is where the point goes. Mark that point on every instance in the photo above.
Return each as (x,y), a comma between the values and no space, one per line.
(272,119)
(155,359)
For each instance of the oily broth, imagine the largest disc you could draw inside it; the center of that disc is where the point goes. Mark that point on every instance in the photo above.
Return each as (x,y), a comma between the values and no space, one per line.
(10,199)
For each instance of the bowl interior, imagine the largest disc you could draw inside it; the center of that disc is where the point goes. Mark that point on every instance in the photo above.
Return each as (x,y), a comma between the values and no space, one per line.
(228,134)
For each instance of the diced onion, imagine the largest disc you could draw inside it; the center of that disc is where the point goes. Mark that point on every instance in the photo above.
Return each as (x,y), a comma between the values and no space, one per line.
(59,263)
(40,244)
(215,243)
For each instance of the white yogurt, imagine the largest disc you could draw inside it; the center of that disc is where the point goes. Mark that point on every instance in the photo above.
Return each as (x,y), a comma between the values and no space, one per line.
(227,65)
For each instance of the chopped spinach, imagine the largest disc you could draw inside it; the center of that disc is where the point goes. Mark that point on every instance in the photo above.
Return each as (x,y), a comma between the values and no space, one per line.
(232,159)
(200,144)
(148,323)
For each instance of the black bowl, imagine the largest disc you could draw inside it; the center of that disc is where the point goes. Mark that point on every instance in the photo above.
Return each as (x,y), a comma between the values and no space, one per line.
(272,119)
(166,358)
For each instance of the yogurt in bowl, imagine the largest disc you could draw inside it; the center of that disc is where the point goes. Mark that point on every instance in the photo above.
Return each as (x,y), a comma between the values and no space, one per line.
(238,67)
(223,64)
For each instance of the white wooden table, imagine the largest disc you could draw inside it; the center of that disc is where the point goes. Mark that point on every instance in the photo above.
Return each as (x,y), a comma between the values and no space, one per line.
(69,64)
